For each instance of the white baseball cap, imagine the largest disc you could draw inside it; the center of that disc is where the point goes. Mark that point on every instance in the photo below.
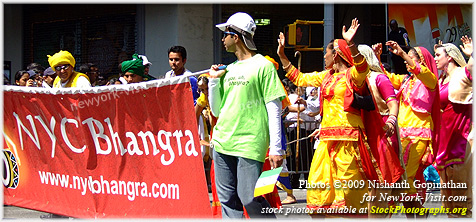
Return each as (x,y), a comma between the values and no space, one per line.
(145,61)
(244,23)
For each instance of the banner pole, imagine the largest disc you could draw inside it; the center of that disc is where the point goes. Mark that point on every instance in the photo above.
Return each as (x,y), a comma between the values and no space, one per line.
(298,124)
(203,71)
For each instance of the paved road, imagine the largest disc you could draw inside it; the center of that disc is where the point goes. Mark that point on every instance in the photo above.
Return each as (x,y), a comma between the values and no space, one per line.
(11,212)
(301,204)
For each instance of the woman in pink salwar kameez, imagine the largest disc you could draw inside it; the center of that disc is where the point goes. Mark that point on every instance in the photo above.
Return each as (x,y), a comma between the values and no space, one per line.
(454,159)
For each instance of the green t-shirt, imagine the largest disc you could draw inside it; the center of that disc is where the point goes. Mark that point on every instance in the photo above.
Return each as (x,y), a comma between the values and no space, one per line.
(242,127)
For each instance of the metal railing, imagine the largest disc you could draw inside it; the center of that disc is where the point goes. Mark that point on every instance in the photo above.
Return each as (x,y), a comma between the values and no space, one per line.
(306,146)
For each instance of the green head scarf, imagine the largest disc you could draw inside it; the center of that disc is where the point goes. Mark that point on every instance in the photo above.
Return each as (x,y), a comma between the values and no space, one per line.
(133,66)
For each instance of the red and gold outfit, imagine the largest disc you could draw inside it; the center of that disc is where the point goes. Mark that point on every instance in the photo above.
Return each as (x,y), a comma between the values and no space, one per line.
(342,156)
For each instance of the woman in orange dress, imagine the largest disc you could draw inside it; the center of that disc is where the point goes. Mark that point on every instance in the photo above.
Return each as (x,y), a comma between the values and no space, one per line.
(343,161)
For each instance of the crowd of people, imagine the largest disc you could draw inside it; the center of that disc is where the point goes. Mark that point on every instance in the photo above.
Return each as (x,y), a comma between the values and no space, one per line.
(371,126)
(63,65)
(415,106)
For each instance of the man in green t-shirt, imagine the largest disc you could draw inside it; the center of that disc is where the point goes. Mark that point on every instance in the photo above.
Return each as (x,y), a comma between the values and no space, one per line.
(246,98)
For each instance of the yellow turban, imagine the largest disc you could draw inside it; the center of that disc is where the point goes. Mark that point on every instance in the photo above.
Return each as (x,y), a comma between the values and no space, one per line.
(204,75)
(60,58)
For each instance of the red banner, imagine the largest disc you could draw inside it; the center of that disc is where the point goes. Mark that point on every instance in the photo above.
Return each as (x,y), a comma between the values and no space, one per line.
(127,151)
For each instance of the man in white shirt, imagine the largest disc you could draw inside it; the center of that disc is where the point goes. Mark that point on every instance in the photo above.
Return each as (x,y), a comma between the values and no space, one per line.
(177,59)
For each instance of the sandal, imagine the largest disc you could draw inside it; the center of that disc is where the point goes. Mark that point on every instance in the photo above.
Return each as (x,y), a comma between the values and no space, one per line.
(289,201)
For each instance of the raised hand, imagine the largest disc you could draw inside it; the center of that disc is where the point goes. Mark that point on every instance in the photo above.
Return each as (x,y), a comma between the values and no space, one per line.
(377,50)
(281,42)
(397,50)
(394,48)
(349,34)
(439,43)
(284,59)
(467,47)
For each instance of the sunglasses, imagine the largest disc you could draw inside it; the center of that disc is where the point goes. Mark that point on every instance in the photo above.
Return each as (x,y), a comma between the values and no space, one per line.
(59,68)
(225,34)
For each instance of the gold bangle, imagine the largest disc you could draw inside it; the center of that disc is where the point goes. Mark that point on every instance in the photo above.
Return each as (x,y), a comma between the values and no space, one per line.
(353,56)
(353,44)
(360,63)
(286,67)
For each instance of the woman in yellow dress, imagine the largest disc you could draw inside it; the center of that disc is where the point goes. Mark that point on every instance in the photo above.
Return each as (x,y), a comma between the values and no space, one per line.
(342,162)
(418,117)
